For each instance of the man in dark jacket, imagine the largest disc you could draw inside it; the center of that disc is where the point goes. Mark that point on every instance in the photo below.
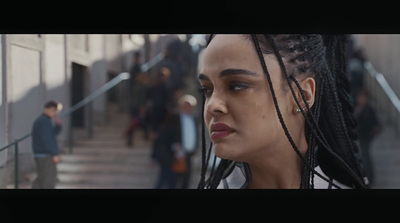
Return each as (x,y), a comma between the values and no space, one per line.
(368,128)
(177,139)
(45,147)
(188,135)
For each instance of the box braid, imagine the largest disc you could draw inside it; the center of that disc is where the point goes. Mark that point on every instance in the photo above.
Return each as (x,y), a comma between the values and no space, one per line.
(343,138)
(331,139)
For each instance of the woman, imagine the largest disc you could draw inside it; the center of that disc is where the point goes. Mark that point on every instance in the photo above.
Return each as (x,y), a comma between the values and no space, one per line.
(278,113)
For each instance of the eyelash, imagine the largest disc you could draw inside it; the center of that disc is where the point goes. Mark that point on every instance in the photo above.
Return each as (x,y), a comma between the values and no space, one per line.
(203,90)
(207,91)
(242,86)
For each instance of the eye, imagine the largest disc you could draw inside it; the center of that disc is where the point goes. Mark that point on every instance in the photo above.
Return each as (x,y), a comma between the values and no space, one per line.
(205,90)
(235,86)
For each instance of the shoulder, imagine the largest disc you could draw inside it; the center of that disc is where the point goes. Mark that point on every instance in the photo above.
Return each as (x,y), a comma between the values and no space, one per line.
(320,183)
(176,117)
(369,109)
(236,178)
(41,119)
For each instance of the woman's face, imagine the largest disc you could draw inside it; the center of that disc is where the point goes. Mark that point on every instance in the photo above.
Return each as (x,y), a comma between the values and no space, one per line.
(239,111)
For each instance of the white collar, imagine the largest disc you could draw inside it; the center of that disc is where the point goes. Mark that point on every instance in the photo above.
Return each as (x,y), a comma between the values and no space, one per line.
(236,179)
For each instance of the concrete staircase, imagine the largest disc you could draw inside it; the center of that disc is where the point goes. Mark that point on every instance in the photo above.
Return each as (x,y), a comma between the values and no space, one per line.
(105,161)
(385,156)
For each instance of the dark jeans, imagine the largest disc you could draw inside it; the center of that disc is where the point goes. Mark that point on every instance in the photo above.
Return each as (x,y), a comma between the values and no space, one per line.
(184,178)
(366,158)
(136,122)
(46,173)
(166,177)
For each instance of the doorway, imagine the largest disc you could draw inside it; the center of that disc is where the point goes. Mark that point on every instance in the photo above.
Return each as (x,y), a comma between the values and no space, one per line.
(78,92)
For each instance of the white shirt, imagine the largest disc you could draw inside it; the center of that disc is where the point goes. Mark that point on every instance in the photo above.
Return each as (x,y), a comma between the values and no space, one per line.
(236,180)
(188,129)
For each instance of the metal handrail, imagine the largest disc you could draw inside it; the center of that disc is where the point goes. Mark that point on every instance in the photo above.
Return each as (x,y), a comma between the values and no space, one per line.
(91,97)
(97,93)
(384,85)
(383,92)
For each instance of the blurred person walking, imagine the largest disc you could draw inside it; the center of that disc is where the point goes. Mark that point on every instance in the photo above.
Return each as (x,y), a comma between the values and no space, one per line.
(164,149)
(188,135)
(136,85)
(162,128)
(368,128)
(175,145)
(173,61)
(45,147)
(138,119)
(159,98)
(137,100)
(356,70)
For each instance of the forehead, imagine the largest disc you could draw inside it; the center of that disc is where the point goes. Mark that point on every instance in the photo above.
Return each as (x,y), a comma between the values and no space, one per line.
(229,41)
(234,51)
(51,108)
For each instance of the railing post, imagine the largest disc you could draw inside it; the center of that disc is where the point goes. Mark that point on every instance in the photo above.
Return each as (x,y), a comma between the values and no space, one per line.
(70,136)
(16,164)
(90,119)
(396,124)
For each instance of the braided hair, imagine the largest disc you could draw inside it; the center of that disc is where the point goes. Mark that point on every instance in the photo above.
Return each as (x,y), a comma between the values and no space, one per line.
(330,125)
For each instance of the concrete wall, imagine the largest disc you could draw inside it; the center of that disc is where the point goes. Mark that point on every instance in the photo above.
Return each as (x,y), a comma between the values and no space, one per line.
(38,68)
(3,119)
(25,91)
(98,74)
(56,82)
(384,52)
(113,50)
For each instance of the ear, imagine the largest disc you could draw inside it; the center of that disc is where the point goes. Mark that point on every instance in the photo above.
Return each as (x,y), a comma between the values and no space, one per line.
(308,87)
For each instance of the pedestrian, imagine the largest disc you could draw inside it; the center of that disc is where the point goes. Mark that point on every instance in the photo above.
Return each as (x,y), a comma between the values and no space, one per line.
(137,120)
(173,61)
(137,100)
(356,70)
(136,85)
(160,98)
(45,146)
(368,128)
(278,112)
(187,136)
(164,150)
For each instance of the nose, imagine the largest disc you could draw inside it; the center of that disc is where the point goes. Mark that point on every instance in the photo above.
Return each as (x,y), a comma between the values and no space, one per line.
(216,104)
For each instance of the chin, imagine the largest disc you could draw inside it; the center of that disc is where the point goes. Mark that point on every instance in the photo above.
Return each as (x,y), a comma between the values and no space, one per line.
(225,151)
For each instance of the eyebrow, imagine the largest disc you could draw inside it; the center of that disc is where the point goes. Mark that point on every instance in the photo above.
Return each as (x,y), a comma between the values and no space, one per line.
(229,72)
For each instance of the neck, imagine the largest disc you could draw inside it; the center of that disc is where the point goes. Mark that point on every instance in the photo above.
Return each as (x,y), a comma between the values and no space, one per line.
(282,171)
(275,177)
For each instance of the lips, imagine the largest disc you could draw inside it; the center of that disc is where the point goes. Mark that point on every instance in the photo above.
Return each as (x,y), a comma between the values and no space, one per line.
(219,131)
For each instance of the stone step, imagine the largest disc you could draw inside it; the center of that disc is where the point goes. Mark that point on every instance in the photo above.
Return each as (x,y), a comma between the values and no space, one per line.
(99,151)
(105,160)
(91,186)
(110,168)
(108,180)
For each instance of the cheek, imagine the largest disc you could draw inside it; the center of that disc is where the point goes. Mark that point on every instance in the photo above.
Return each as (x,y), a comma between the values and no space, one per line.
(261,127)
(206,116)
(255,123)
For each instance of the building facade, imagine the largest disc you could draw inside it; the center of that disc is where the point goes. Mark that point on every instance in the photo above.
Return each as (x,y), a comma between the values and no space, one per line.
(383,51)
(36,68)
(65,68)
